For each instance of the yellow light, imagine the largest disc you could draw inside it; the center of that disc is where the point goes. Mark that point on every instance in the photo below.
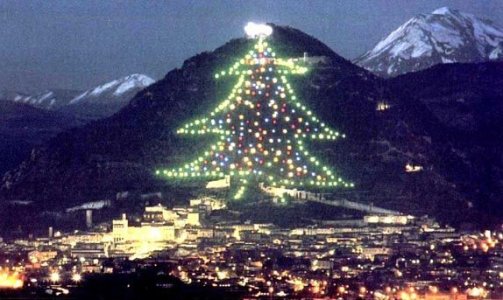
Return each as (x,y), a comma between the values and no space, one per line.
(10,280)
(76,277)
(55,277)
(362,290)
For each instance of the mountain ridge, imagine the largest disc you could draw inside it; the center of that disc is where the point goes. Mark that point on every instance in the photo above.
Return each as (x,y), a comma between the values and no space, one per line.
(442,36)
(97,102)
(115,87)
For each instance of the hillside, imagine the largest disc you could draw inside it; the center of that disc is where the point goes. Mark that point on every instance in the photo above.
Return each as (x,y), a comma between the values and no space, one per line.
(23,127)
(121,152)
(467,100)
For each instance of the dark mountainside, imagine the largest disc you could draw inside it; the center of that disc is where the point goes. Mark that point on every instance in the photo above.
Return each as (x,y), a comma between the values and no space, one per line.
(122,152)
(29,120)
(467,101)
(23,127)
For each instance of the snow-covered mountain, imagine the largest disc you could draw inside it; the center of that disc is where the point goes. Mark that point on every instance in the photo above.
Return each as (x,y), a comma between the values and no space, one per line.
(443,36)
(108,98)
(97,102)
(48,99)
(114,90)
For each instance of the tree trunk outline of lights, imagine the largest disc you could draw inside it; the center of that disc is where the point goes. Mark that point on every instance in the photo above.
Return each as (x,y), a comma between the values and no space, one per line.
(262,127)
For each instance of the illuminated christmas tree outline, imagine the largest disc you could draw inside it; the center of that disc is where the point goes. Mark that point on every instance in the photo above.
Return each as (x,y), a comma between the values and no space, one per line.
(262,128)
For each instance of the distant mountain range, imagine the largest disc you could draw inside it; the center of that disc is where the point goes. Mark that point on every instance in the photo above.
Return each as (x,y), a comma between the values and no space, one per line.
(443,36)
(95,103)
(48,99)
(27,121)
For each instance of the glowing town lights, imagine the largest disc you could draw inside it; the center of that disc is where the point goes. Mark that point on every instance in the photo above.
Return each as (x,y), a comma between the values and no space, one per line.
(297,284)
(76,277)
(477,292)
(255,30)
(10,280)
(54,277)
(261,127)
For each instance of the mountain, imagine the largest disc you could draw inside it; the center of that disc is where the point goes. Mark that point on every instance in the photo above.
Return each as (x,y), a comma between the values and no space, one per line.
(23,127)
(96,103)
(393,151)
(115,88)
(48,99)
(28,120)
(443,36)
(108,98)
(466,105)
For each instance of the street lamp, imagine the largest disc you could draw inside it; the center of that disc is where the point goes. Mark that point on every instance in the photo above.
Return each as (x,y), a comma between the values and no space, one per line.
(76,277)
(55,277)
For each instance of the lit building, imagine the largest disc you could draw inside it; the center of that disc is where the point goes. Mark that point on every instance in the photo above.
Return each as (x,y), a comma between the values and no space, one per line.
(319,264)
(387,219)
(146,232)
(372,252)
(382,106)
(120,229)
(208,203)
(193,218)
(90,250)
(37,256)
(159,213)
(410,168)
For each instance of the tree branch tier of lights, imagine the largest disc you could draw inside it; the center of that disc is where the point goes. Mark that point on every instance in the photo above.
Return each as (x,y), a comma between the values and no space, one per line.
(261,127)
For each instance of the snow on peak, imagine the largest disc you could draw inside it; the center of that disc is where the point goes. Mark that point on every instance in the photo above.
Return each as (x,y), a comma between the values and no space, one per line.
(443,36)
(45,99)
(133,81)
(497,53)
(442,11)
(116,88)
(102,88)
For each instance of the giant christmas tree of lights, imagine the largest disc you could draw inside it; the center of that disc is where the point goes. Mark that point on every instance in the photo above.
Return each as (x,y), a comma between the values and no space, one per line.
(261,126)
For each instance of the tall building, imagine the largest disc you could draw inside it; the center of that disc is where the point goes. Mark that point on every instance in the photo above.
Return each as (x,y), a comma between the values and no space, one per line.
(120,229)
(89,218)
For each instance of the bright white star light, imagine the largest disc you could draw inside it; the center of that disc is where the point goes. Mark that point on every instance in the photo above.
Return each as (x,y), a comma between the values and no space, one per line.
(254,30)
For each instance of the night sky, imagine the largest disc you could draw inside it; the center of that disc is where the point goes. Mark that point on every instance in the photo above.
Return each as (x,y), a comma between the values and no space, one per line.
(78,44)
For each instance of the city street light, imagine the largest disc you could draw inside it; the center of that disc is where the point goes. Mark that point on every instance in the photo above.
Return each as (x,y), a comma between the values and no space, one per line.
(76,277)
(55,277)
